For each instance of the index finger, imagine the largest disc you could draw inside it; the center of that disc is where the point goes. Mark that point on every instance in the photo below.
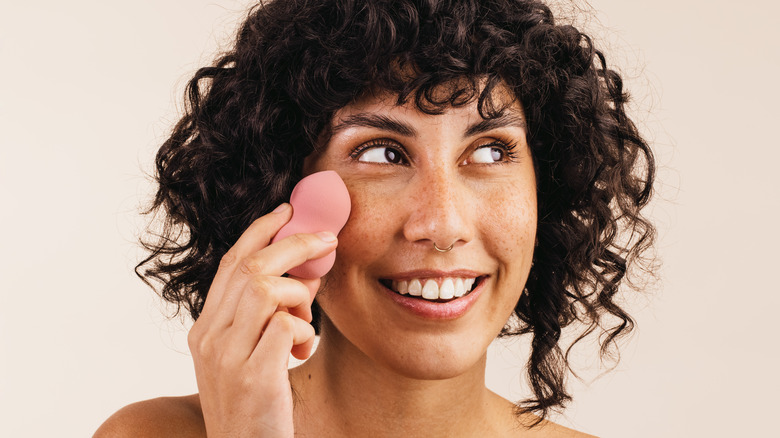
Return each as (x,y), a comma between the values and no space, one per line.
(256,237)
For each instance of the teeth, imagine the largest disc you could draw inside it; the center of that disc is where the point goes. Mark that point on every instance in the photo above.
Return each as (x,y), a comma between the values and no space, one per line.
(447,289)
(415,288)
(460,288)
(430,289)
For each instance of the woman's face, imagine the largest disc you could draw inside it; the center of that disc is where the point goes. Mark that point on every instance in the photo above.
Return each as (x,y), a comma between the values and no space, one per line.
(417,180)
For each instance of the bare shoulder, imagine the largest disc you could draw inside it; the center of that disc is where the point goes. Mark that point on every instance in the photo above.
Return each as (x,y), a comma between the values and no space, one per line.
(548,429)
(159,417)
(515,425)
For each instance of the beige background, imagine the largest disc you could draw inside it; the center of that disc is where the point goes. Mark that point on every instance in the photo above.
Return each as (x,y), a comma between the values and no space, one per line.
(88,90)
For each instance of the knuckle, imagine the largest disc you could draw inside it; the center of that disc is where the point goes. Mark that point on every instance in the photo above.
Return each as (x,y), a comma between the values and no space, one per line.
(228,259)
(283,320)
(194,335)
(301,239)
(199,344)
(247,382)
(226,361)
(249,266)
(192,341)
(262,286)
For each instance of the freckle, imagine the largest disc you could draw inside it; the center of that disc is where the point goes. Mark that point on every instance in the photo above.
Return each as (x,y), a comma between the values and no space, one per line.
(309,376)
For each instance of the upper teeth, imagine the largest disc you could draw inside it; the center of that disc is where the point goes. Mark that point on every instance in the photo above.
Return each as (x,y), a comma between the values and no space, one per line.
(431,290)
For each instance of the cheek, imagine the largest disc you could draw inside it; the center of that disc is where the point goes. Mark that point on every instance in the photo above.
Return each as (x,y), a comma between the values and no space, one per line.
(509,223)
(364,243)
(371,226)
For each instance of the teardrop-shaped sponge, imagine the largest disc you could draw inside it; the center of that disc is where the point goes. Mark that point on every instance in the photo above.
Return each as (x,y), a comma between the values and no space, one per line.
(320,202)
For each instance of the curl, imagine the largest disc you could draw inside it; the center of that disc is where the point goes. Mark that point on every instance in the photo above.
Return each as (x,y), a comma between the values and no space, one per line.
(253,116)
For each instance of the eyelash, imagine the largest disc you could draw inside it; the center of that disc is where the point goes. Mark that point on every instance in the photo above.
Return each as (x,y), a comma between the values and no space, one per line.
(355,154)
(509,149)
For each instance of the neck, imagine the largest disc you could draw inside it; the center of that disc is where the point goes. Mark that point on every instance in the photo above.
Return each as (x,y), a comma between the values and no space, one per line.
(343,392)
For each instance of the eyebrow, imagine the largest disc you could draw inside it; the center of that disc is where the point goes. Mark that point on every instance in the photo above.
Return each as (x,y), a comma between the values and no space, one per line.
(377,121)
(386,123)
(505,119)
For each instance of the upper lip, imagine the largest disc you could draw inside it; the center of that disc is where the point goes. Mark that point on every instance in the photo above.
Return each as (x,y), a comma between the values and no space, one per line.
(433,273)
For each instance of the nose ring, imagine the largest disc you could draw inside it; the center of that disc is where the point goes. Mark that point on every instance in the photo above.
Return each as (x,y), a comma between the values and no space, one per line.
(442,250)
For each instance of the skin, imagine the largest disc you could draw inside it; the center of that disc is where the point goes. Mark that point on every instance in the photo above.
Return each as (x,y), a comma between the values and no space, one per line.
(379,369)
(445,188)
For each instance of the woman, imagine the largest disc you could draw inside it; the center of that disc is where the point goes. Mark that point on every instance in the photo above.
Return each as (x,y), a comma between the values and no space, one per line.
(487,154)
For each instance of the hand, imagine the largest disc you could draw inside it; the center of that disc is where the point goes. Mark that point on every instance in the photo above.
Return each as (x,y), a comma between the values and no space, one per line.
(251,321)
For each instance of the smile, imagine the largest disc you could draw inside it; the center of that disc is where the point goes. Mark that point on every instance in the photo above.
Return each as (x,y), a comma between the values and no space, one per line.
(433,289)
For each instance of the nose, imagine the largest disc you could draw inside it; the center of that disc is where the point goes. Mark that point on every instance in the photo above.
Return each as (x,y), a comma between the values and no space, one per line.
(440,209)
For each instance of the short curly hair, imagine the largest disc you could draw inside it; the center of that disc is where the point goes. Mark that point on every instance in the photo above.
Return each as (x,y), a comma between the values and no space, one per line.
(252,118)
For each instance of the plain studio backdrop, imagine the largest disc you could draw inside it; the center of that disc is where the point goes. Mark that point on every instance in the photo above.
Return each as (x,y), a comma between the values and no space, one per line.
(89,90)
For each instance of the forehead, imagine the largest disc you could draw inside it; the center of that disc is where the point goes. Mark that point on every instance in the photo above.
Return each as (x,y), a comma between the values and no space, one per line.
(382,106)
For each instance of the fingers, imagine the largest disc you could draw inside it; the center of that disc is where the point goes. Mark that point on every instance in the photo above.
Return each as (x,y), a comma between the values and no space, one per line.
(253,319)
(312,284)
(284,332)
(287,253)
(266,296)
(248,289)
(256,237)
(247,394)
(254,271)
(252,256)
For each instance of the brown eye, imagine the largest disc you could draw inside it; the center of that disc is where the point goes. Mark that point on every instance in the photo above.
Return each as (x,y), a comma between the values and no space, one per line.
(381,154)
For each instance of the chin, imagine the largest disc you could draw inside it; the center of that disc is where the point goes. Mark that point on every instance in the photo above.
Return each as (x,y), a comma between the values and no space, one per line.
(434,359)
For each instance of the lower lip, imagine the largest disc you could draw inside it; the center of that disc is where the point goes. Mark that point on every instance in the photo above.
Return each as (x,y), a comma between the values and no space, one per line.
(431,310)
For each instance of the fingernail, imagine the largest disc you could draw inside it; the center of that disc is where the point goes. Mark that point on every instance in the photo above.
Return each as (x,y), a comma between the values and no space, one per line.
(326,236)
(281,208)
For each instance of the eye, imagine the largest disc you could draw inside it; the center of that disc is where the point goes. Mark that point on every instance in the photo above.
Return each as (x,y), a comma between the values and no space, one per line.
(379,152)
(487,154)
(495,152)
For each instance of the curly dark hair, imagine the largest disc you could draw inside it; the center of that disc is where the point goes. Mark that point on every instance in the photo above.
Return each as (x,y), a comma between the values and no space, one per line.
(253,116)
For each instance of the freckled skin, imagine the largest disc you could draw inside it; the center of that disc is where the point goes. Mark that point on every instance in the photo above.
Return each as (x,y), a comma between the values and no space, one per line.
(488,210)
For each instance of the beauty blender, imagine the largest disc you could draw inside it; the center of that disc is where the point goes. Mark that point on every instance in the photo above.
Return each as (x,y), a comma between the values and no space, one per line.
(320,203)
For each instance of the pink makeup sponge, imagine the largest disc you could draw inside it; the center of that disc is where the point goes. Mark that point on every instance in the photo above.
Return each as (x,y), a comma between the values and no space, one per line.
(320,203)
